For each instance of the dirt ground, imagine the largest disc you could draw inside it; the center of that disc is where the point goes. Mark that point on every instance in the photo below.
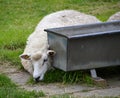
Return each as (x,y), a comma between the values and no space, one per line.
(79,91)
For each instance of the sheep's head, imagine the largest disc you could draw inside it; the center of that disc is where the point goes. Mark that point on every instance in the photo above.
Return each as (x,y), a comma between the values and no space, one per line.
(40,62)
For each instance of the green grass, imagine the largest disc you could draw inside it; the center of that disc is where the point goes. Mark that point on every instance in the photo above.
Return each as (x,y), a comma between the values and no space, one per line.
(10,90)
(6,82)
(18,18)
(53,76)
(69,77)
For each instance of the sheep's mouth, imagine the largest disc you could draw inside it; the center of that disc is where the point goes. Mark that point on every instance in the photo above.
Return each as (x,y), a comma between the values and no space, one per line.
(37,79)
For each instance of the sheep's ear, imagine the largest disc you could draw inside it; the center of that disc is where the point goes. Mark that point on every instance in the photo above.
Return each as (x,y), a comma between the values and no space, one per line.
(25,56)
(51,52)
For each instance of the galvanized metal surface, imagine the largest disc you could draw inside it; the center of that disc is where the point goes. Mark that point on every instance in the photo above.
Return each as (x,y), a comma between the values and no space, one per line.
(86,46)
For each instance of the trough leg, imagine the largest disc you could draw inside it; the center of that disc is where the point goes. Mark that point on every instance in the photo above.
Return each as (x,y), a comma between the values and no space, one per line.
(97,80)
(93,73)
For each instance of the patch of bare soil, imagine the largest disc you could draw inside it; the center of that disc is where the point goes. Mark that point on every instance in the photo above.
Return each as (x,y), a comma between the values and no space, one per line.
(21,77)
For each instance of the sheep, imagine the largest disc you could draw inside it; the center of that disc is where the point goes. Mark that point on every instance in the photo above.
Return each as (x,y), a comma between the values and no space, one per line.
(36,56)
(114,17)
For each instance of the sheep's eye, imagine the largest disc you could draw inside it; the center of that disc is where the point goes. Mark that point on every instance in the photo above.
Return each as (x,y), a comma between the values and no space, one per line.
(45,60)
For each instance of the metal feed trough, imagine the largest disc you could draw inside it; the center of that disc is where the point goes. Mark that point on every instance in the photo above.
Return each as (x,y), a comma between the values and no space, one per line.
(86,46)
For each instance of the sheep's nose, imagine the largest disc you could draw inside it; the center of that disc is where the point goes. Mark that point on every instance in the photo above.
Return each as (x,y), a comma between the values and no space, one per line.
(37,79)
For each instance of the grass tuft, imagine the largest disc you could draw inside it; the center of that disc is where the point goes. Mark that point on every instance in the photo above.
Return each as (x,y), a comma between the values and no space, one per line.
(73,77)
(5,81)
(59,76)
(10,90)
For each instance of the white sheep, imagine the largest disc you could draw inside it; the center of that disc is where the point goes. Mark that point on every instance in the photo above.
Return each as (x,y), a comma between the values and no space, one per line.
(36,56)
(114,17)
